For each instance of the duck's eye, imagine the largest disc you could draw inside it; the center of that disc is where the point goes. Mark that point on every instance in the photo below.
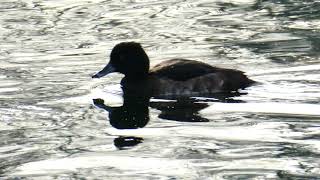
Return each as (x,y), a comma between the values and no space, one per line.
(121,58)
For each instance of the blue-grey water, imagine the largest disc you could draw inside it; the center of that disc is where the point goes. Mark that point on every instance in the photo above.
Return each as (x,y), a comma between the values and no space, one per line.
(51,129)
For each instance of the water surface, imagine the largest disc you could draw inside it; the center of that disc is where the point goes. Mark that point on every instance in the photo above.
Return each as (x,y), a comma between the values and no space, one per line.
(50,128)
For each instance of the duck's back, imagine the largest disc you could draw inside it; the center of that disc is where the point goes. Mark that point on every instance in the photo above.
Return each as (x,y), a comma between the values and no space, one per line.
(182,69)
(197,77)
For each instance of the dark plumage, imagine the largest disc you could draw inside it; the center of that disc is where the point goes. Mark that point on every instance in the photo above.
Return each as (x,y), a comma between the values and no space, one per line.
(173,77)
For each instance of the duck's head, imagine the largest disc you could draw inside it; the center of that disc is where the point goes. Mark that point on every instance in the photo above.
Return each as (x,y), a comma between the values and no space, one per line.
(127,58)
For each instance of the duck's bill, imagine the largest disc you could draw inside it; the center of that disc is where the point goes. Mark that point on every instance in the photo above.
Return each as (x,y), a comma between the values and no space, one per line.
(106,70)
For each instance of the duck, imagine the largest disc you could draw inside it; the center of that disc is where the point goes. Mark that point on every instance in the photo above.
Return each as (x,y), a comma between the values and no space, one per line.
(175,77)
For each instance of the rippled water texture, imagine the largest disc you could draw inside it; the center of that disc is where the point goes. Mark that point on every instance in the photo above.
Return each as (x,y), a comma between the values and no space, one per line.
(50,128)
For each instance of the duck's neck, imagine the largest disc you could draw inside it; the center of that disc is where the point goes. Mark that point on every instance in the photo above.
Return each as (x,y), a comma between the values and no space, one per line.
(139,86)
(136,77)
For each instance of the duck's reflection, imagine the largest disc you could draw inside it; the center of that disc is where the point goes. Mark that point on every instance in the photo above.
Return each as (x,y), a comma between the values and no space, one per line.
(186,110)
(134,113)
(126,142)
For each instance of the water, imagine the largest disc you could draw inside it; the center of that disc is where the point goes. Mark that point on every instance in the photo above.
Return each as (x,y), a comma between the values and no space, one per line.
(50,129)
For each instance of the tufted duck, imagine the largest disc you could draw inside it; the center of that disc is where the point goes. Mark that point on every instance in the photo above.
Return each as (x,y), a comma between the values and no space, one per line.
(176,77)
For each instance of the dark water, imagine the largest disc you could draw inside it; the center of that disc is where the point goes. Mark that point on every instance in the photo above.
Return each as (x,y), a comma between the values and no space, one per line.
(50,129)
